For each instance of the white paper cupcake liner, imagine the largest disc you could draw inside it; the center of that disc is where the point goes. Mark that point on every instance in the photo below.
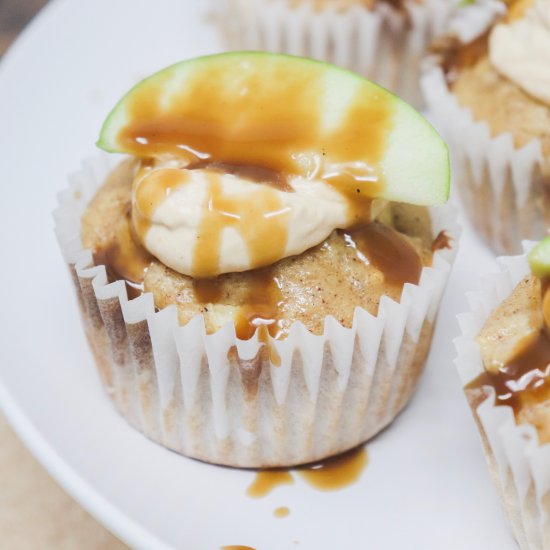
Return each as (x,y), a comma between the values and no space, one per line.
(218,398)
(504,189)
(519,465)
(381,43)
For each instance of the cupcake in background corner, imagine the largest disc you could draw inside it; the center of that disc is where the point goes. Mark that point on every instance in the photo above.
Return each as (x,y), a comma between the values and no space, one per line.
(489,93)
(383,40)
(504,362)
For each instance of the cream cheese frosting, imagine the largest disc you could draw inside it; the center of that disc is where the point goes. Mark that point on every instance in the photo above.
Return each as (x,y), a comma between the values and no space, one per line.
(246,224)
(520,50)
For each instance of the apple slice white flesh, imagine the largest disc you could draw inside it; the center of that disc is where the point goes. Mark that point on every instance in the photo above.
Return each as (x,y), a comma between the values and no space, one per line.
(284,113)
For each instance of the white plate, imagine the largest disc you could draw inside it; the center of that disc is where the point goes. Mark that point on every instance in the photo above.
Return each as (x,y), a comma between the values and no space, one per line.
(426,485)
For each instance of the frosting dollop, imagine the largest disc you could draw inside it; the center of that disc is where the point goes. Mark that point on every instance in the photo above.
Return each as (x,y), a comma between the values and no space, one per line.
(203,222)
(519,49)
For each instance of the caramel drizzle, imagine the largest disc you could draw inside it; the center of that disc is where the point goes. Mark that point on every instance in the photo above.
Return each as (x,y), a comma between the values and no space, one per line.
(388,251)
(457,56)
(267,132)
(275,122)
(262,223)
(124,259)
(524,379)
(441,241)
(375,244)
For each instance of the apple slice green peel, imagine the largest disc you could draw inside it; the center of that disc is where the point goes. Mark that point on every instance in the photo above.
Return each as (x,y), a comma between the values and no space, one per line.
(539,259)
(287,114)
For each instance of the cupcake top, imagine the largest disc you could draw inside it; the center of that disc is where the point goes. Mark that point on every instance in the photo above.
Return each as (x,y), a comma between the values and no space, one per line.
(515,347)
(252,171)
(501,75)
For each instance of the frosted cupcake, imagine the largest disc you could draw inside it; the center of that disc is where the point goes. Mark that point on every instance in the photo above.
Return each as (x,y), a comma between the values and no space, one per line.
(490,96)
(504,359)
(382,40)
(284,301)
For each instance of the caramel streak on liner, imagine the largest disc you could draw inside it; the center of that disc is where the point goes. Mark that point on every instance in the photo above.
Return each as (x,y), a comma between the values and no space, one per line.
(331,474)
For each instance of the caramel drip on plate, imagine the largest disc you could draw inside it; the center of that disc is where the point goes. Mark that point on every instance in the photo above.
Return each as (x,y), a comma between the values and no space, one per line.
(336,472)
(124,259)
(525,379)
(236,547)
(326,475)
(388,251)
(277,120)
(267,480)
(281,512)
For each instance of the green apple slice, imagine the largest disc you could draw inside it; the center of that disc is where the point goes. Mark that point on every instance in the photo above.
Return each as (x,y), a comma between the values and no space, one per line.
(539,259)
(287,114)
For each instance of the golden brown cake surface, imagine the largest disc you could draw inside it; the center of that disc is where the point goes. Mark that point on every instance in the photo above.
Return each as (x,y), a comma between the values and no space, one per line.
(503,104)
(330,279)
(515,348)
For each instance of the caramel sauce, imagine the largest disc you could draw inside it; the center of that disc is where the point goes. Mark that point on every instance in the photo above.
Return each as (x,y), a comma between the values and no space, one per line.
(267,480)
(261,223)
(208,291)
(124,259)
(263,128)
(281,512)
(262,306)
(517,9)
(457,55)
(236,547)
(388,251)
(524,379)
(256,174)
(441,241)
(336,472)
(327,475)
(260,311)
(148,194)
(227,112)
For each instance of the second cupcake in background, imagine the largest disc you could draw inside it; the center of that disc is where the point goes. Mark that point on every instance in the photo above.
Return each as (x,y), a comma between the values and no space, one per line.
(503,360)
(383,40)
(489,94)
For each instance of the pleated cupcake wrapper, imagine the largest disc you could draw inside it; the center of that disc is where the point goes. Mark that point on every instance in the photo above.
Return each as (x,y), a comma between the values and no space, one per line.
(503,188)
(519,465)
(382,44)
(218,398)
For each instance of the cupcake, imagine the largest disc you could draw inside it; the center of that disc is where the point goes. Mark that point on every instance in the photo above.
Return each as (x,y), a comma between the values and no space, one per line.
(490,96)
(503,359)
(383,40)
(259,278)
